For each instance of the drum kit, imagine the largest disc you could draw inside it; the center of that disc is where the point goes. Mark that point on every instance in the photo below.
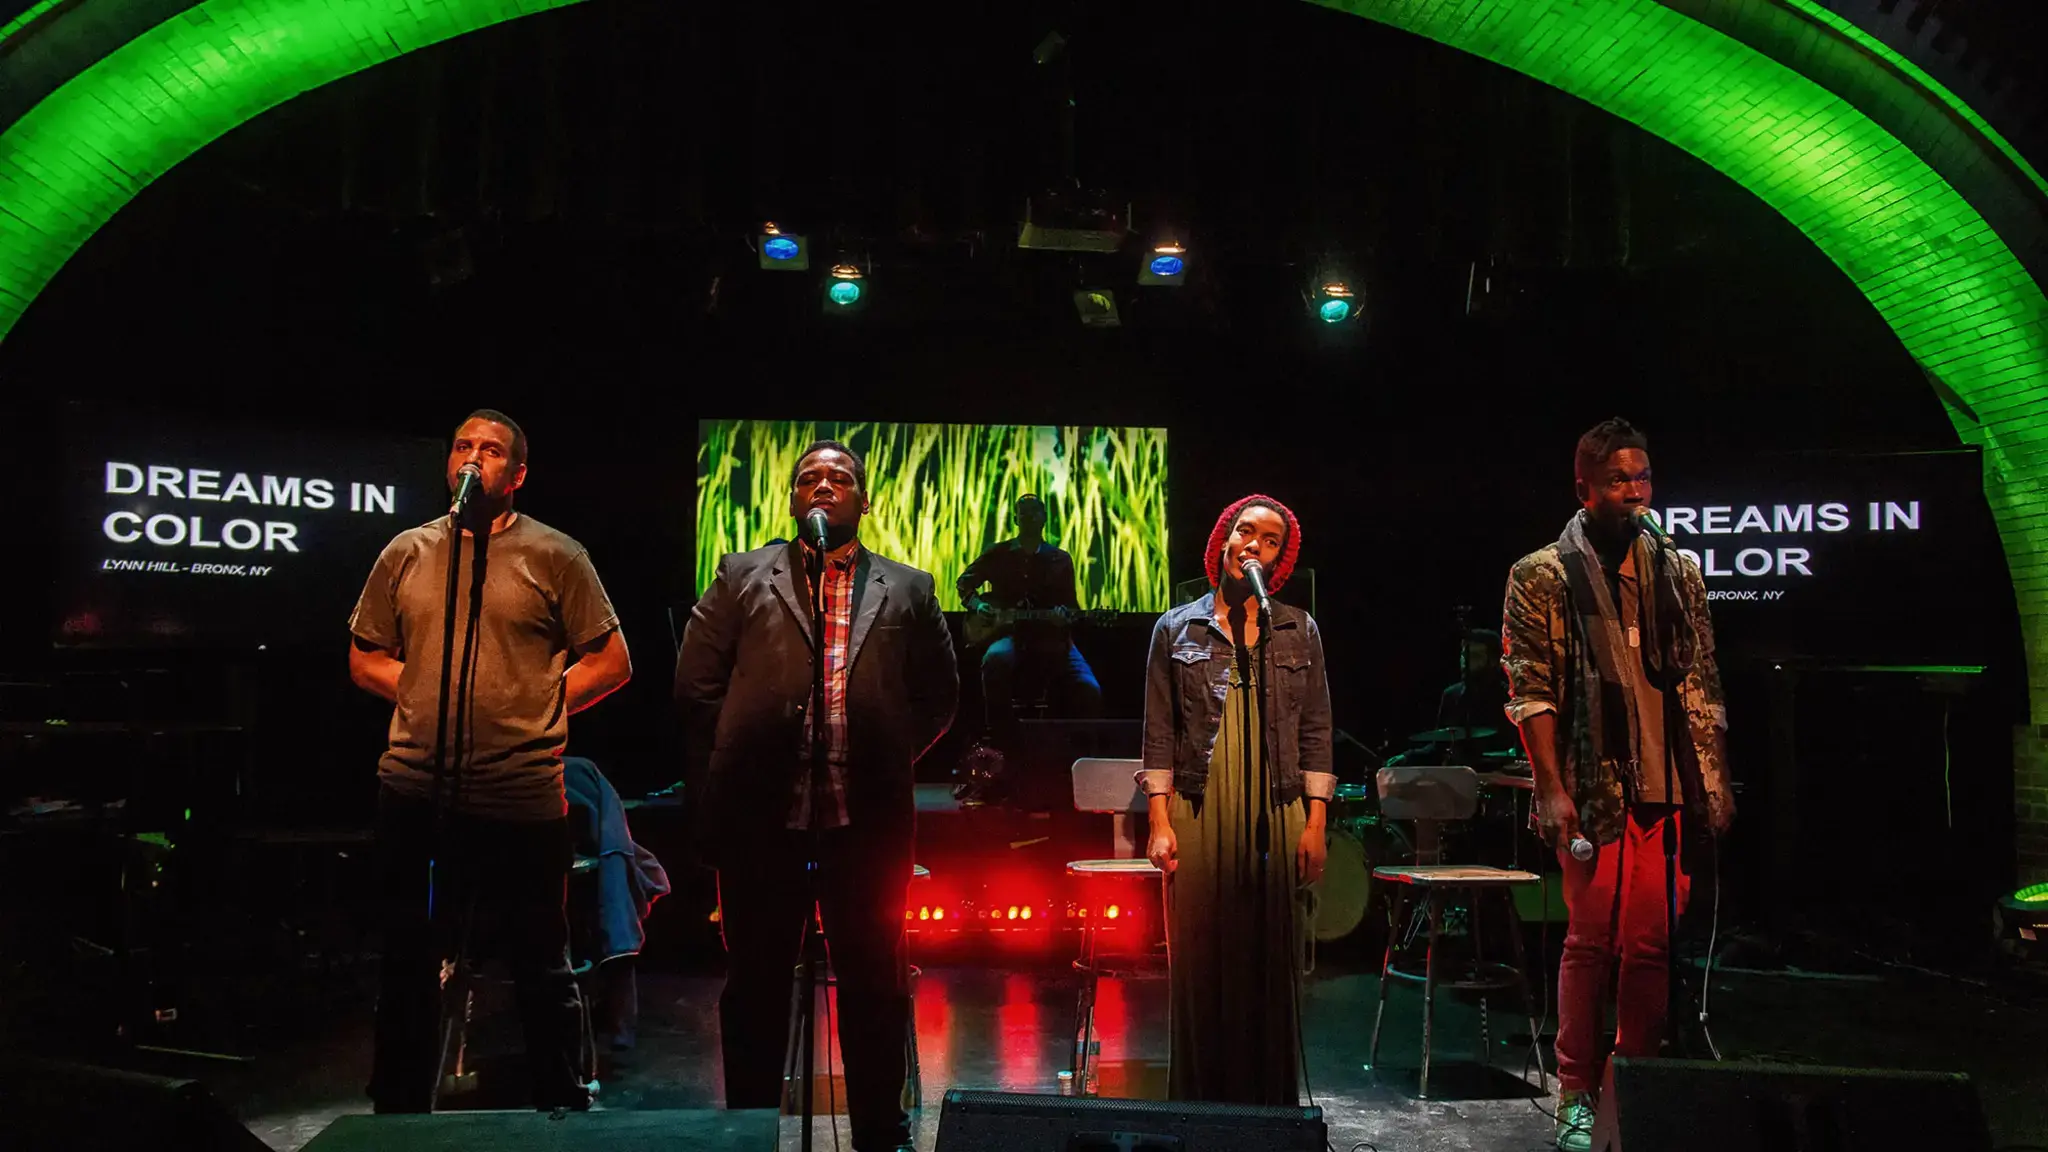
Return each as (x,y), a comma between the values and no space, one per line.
(1361,839)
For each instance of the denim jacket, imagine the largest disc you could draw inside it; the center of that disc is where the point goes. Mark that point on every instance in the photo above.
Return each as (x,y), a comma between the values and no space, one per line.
(1186,679)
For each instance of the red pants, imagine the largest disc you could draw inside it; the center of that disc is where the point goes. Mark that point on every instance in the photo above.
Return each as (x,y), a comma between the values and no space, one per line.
(1617,911)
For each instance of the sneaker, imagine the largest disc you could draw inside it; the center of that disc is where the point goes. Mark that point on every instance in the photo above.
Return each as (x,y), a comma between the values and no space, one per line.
(1574,1121)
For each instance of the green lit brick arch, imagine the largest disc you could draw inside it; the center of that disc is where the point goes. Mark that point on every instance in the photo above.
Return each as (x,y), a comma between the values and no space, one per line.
(104,134)
(1947,283)
(1951,288)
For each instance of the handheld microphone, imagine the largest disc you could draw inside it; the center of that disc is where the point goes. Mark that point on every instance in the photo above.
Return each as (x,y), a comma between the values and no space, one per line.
(814,523)
(1582,849)
(1647,521)
(467,479)
(1256,574)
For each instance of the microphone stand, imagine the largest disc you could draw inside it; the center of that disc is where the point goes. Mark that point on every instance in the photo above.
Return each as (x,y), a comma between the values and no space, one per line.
(815,769)
(1675,988)
(447,783)
(1255,746)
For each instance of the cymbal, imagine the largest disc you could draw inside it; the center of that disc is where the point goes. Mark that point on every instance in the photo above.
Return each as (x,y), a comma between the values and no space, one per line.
(1502,754)
(1445,735)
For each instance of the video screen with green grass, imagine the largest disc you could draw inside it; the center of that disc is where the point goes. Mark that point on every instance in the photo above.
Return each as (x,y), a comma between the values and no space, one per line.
(940,493)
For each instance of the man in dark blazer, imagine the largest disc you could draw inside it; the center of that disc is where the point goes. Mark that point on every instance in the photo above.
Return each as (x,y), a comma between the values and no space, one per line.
(743,682)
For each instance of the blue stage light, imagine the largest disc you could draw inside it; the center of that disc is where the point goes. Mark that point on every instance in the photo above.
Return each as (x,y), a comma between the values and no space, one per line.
(1165,265)
(783,251)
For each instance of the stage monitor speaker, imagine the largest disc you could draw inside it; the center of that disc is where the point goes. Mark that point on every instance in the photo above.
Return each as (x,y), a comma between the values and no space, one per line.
(1697,1105)
(1020,1122)
(85,1108)
(674,1130)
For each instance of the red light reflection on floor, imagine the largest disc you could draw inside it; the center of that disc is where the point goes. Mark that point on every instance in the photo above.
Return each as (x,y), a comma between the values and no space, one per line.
(1019,1046)
(1112,1020)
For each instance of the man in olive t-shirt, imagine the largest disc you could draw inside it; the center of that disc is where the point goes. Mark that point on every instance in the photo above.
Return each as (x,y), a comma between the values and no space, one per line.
(546,645)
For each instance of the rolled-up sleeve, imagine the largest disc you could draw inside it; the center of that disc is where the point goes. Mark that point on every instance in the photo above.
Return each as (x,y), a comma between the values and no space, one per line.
(1530,625)
(1155,778)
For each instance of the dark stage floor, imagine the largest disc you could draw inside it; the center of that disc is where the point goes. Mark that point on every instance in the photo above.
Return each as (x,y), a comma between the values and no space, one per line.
(1007,1028)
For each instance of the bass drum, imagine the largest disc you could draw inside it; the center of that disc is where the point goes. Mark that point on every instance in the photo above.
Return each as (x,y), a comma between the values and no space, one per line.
(1340,900)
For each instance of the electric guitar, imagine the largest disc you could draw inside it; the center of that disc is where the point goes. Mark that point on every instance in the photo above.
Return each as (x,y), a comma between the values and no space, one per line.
(982,629)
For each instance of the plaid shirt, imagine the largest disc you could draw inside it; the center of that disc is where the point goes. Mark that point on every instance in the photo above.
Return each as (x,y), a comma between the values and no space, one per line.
(829,803)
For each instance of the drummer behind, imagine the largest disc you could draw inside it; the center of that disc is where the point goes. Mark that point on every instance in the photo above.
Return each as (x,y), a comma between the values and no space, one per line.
(1478,699)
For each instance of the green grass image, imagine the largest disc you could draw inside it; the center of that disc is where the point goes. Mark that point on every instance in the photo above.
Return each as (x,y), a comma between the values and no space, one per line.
(940,493)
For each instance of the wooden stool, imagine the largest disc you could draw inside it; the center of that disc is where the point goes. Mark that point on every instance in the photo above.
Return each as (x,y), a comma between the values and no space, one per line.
(1108,786)
(1096,874)
(1432,795)
(1435,883)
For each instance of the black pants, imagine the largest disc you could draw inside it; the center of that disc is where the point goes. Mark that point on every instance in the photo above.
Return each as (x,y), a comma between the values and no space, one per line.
(511,880)
(862,879)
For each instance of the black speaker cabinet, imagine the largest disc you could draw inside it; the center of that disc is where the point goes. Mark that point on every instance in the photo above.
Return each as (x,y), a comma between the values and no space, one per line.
(1020,1122)
(1696,1105)
(84,1108)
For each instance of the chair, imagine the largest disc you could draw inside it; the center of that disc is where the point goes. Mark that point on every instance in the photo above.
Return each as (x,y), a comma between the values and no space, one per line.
(1432,795)
(1107,786)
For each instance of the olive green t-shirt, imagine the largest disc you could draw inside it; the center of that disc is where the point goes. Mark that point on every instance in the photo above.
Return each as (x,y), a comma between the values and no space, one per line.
(542,599)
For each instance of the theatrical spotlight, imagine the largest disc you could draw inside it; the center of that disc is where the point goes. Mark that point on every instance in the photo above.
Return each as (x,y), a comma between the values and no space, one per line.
(846,288)
(1097,308)
(1335,297)
(1166,263)
(783,251)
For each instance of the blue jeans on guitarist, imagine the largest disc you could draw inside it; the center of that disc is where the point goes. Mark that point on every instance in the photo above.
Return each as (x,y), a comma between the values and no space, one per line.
(1011,672)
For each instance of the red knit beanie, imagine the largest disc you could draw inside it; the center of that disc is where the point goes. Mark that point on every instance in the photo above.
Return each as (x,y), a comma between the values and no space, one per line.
(1289,548)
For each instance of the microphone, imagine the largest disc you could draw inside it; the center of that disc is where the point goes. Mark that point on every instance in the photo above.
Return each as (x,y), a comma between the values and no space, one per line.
(467,479)
(1582,849)
(1647,521)
(814,523)
(1256,573)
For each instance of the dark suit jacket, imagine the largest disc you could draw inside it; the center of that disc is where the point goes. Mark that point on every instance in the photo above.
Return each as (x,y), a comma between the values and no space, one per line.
(743,682)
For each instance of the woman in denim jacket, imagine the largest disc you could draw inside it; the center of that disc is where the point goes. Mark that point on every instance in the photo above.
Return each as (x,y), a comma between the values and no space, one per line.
(1237,777)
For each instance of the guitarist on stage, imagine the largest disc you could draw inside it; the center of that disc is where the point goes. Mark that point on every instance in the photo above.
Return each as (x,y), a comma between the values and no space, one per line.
(1029,574)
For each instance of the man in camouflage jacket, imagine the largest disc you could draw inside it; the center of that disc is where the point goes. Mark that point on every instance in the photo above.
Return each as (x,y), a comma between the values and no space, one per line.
(1612,681)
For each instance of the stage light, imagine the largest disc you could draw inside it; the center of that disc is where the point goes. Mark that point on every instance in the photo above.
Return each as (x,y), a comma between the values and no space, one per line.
(846,288)
(938,913)
(1334,295)
(1165,264)
(924,913)
(1112,911)
(1097,308)
(1026,914)
(1013,911)
(783,251)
